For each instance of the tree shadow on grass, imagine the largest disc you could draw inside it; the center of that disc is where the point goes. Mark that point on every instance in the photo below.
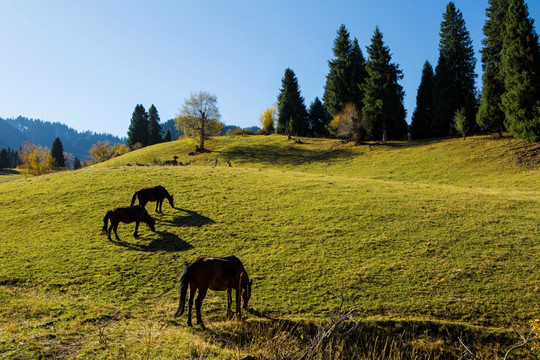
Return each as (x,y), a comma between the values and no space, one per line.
(298,153)
(165,242)
(9,172)
(191,219)
(271,154)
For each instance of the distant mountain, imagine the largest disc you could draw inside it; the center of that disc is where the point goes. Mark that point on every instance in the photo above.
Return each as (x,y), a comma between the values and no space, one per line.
(14,132)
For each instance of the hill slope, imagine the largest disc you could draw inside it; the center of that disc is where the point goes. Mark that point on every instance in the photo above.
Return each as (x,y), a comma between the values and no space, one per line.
(444,232)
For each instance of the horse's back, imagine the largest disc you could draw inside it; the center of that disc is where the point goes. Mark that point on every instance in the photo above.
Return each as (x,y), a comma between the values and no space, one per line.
(216,273)
(128,214)
(153,193)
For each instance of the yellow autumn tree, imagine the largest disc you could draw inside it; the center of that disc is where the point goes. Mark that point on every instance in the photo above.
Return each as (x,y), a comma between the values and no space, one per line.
(268,120)
(103,150)
(35,160)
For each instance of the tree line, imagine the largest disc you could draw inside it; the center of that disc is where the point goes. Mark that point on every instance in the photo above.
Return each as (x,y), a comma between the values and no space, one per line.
(9,158)
(363,98)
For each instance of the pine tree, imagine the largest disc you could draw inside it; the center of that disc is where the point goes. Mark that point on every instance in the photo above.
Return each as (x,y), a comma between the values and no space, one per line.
(57,153)
(292,113)
(453,86)
(168,136)
(490,114)
(383,112)
(4,159)
(76,164)
(138,129)
(318,119)
(422,115)
(358,75)
(154,129)
(520,66)
(346,74)
(337,89)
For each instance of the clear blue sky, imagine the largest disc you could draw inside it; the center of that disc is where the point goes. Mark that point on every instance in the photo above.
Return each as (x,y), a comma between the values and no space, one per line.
(88,63)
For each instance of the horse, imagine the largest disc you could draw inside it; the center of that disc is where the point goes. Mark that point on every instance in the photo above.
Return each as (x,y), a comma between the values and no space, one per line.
(127,214)
(156,193)
(218,274)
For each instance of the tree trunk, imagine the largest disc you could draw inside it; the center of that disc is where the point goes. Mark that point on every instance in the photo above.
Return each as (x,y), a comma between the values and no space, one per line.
(202,135)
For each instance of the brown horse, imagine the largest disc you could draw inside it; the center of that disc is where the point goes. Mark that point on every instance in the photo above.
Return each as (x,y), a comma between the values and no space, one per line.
(156,193)
(127,214)
(218,274)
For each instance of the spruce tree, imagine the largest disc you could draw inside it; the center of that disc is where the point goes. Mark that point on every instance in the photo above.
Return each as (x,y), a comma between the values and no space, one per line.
(520,65)
(292,113)
(138,129)
(346,74)
(490,114)
(383,112)
(453,86)
(358,75)
(57,153)
(76,164)
(168,136)
(337,88)
(318,119)
(4,160)
(154,129)
(422,115)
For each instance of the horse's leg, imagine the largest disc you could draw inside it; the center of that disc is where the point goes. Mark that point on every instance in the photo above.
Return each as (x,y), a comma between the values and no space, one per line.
(136,228)
(229,301)
(114,227)
(157,203)
(198,303)
(161,206)
(192,290)
(238,308)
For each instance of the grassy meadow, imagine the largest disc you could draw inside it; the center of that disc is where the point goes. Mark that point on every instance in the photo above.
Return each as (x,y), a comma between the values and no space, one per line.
(427,242)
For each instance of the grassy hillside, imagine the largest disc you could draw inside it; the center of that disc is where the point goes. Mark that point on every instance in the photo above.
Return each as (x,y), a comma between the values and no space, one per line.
(443,232)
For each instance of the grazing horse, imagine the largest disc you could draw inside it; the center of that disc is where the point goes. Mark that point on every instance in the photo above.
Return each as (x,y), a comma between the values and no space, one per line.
(218,274)
(156,193)
(127,214)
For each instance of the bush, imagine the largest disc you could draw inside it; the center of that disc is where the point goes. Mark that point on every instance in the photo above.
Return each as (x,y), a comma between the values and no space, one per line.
(243,132)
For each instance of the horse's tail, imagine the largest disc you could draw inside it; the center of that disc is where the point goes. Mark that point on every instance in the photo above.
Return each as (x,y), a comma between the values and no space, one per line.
(133,198)
(185,278)
(105,222)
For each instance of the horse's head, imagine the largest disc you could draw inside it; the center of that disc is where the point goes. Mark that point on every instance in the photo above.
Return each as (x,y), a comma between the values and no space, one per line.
(151,223)
(171,201)
(246,294)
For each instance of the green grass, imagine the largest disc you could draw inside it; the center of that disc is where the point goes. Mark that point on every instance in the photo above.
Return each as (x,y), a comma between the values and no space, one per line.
(444,232)
(9,175)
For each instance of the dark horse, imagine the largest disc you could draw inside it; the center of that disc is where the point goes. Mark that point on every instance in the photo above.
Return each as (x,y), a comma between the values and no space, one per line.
(156,193)
(127,214)
(218,274)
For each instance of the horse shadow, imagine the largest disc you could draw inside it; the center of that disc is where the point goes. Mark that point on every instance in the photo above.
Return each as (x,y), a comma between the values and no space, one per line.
(191,219)
(164,242)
